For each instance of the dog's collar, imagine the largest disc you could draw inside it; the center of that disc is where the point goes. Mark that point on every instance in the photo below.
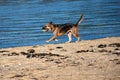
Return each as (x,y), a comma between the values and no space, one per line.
(53,28)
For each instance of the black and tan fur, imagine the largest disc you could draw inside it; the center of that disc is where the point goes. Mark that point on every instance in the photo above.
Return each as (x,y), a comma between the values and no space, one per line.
(61,29)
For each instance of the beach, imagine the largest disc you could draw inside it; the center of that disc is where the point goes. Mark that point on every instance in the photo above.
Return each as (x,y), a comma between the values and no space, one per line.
(97,59)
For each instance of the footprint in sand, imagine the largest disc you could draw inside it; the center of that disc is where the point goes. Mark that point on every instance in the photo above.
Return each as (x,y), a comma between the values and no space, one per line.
(3,51)
(102,46)
(114,45)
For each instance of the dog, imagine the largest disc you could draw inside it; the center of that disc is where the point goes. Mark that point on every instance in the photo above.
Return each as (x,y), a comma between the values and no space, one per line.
(61,29)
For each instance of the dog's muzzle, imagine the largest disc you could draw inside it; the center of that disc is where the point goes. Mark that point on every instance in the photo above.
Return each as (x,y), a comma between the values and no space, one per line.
(44,29)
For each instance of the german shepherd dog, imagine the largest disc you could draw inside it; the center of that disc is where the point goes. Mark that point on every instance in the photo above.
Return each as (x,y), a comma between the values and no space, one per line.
(61,29)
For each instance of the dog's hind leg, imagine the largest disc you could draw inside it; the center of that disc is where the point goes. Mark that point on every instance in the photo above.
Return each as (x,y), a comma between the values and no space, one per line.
(69,37)
(75,34)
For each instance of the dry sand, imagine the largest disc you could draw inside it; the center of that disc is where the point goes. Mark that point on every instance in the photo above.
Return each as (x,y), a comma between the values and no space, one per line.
(86,60)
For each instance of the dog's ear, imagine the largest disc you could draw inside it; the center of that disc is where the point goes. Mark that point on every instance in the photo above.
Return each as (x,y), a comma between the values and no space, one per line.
(51,22)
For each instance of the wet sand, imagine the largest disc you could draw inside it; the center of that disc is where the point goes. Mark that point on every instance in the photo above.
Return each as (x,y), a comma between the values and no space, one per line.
(86,60)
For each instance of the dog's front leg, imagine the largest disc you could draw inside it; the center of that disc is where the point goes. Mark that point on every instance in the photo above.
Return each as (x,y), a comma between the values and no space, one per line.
(53,38)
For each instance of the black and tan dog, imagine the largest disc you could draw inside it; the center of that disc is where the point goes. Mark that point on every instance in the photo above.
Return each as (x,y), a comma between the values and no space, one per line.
(61,29)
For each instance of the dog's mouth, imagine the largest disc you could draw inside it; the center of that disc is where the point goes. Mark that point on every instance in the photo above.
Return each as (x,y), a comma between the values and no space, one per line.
(44,29)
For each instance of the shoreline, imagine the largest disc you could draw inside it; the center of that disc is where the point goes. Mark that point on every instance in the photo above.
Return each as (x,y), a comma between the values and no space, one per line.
(56,43)
(97,59)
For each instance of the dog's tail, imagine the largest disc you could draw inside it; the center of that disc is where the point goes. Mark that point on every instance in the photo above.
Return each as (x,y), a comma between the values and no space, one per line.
(80,20)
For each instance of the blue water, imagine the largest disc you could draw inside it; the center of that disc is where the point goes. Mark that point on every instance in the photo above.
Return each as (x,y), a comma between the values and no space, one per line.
(21,20)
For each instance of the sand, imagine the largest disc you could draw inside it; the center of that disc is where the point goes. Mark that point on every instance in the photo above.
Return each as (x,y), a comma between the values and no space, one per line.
(85,60)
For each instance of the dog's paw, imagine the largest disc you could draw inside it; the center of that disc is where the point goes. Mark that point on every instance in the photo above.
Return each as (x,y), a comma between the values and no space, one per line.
(68,42)
(56,40)
(47,41)
(77,41)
